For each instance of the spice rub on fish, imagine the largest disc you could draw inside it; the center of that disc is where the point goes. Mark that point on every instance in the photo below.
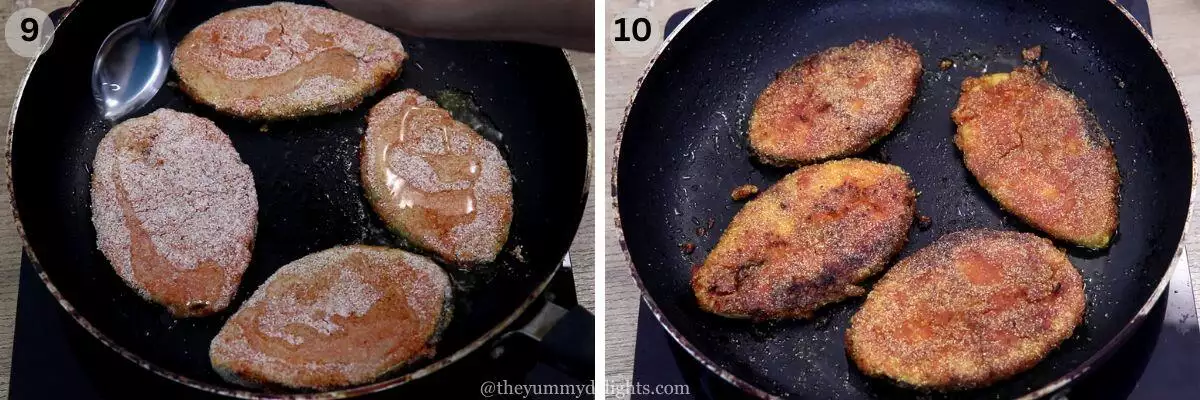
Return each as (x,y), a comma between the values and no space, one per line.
(436,181)
(175,210)
(339,317)
(807,241)
(285,60)
(1040,153)
(835,103)
(973,308)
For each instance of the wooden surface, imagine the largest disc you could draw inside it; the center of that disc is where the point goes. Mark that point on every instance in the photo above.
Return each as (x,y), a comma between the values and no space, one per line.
(12,69)
(621,295)
(1176,25)
(583,249)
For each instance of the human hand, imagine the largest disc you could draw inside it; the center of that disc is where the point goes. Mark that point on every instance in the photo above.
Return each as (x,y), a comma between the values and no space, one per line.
(559,23)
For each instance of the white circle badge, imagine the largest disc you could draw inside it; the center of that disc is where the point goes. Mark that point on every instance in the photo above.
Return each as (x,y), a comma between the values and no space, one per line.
(28,32)
(635,33)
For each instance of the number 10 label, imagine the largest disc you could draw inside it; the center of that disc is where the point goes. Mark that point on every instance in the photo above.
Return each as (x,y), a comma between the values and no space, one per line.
(635,33)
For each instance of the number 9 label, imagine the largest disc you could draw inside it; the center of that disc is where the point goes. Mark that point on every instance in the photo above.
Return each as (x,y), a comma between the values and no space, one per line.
(28,32)
(635,33)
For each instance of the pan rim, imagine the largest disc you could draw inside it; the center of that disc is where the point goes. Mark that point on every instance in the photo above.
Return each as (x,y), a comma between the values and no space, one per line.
(374,387)
(1100,356)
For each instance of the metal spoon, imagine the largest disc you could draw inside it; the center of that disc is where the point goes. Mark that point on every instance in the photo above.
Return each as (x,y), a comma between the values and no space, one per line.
(132,64)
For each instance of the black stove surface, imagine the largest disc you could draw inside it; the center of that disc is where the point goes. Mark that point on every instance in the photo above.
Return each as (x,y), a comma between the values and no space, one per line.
(54,358)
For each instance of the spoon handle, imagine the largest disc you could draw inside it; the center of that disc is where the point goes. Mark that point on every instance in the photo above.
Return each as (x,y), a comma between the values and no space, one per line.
(159,13)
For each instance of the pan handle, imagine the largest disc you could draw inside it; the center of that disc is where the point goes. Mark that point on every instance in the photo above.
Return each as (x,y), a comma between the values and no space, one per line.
(675,19)
(56,15)
(564,335)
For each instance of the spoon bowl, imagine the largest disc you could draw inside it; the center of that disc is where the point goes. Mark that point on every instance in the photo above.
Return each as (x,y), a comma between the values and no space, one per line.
(132,64)
(129,69)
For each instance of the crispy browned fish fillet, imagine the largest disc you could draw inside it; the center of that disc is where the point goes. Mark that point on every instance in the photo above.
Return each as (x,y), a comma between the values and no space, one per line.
(1039,152)
(436,181)
(285,60)
(807,241)
(970,309)
(835,103)
(338,317)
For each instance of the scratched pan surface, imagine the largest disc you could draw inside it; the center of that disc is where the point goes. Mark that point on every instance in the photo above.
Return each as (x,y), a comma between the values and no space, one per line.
(683,149)
(306,173)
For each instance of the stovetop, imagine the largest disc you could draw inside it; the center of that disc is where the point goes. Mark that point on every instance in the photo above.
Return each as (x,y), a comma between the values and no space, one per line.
(54,358)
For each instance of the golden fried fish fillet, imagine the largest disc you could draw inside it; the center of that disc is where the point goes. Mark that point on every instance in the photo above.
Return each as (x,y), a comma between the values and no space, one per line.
(175,210)
(1040,153)
(835,103)
(436,181)
(339,317)
(807,241)
(285,60)
(973,308)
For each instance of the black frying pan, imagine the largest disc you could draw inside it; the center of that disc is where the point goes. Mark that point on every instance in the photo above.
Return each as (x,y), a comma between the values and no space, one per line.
(683,149)
(306,173)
